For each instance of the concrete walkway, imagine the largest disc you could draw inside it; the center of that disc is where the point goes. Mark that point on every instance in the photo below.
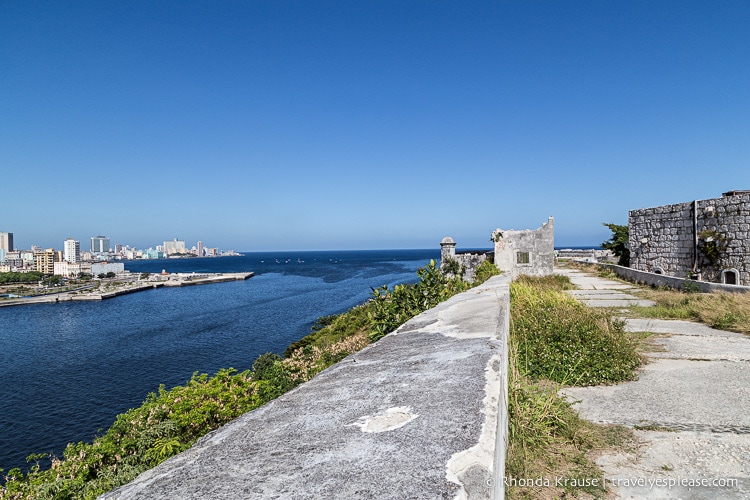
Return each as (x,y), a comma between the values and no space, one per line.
(690,407)
(598,292)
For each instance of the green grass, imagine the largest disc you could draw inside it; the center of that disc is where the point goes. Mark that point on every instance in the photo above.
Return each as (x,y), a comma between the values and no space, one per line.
(555,340)
(562,340)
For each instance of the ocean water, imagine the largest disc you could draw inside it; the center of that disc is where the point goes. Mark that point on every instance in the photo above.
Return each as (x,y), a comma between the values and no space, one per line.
(67,370)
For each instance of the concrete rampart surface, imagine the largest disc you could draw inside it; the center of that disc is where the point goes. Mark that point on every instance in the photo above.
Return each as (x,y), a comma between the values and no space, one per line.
(419,414)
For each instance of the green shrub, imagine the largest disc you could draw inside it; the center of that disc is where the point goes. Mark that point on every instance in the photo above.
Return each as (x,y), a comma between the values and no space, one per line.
(485,271)
(690,286)
(393,308)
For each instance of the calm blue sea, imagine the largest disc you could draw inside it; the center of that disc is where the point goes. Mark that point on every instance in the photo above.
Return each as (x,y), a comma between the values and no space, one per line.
(66,370)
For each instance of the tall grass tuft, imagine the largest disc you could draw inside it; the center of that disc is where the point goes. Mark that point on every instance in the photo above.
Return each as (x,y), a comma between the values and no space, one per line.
(725,311)
(562,340)
(556,341)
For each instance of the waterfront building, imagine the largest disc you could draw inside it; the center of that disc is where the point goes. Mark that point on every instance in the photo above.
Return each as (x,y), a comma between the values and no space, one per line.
(200,249)
(6,241)
(71,269)
(71,250)
(174,247)
(99,244)
(44,260)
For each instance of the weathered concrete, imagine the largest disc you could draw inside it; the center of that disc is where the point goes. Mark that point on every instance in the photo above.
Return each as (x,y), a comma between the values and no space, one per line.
(690,402)
(419,414)
(598,292)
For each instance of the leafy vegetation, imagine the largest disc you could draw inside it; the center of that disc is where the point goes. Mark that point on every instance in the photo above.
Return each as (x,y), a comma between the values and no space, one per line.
(618,243)
(485,271)
(712,246)
(170,421)
(392,308)
(13,277)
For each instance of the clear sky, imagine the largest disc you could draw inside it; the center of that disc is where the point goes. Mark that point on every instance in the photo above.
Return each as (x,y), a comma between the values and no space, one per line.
(311,125)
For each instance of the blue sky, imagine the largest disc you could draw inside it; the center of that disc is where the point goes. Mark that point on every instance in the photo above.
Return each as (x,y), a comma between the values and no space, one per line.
(344,125)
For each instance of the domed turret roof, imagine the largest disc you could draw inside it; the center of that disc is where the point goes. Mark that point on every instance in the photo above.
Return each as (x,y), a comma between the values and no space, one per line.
(447,241)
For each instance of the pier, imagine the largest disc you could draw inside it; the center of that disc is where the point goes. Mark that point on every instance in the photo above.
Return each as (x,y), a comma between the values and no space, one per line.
(110,290)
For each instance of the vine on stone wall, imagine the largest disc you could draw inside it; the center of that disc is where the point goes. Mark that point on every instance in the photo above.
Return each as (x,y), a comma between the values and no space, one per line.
(713,246)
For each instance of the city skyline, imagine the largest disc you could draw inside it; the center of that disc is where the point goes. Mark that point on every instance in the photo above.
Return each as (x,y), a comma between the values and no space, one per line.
(71,246)
(331,125)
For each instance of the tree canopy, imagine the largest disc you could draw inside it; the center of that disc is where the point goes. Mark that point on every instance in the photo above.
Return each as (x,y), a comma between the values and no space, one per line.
(618,243)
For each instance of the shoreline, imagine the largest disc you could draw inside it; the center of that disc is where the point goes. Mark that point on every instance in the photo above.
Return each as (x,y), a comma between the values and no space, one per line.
(156,281)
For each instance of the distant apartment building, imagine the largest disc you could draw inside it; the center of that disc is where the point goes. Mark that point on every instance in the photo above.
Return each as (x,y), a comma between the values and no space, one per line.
(99,244)
(174,247)
(27,256)
(44,260)
(71,250)
(6,241)
(200,249)
(153,254)
(13,261)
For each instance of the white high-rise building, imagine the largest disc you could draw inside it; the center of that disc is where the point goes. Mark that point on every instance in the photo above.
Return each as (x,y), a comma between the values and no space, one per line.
(99,244)
(174,247)
(6,241)
(72,250)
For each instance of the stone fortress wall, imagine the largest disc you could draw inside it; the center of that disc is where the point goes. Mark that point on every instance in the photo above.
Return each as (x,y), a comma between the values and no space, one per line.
(529,252)
(703,239)
(467,261)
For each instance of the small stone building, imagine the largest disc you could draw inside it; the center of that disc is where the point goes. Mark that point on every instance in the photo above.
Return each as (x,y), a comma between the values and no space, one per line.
(530,252)
(702,239)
